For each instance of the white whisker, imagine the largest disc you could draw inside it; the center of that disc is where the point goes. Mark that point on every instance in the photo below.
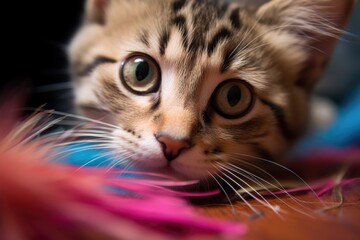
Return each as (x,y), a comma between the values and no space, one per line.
(223,190)
(286,169)
(43,128)
(69,151)
(78,117)
(54,87)
(247,175)
(238,194)
(95,159)
(278,187)
(262,200)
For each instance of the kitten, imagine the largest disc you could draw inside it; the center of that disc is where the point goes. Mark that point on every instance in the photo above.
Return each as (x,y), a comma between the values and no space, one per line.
(199,87)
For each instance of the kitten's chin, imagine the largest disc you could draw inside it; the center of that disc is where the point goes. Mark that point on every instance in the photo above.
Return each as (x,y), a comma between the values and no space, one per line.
(169,170)
(190,171)
(164,170)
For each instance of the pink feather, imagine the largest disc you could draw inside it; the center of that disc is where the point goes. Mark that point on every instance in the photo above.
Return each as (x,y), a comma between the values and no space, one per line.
(44,200)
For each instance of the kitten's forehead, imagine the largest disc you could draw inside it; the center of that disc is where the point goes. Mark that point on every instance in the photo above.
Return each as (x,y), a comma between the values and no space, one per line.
(202,25)
(193,39)
(204,36)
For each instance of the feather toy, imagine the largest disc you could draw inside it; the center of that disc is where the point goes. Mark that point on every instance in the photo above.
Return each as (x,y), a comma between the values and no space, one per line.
(43,198)
(50,189)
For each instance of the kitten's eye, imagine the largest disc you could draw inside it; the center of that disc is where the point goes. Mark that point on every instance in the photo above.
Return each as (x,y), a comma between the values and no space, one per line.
(140,74)
(232,99)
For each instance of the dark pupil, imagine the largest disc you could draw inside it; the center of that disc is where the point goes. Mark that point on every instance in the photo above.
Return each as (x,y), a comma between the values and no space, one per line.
(234,96)
(142,71)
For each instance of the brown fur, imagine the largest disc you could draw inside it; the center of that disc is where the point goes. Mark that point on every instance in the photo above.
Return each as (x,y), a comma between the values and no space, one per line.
(197,45)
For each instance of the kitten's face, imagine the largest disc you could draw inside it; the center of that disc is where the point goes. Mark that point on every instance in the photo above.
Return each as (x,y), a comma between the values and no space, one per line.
(195,85)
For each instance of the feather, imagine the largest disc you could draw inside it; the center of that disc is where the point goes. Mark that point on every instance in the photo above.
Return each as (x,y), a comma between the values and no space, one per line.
(42,198)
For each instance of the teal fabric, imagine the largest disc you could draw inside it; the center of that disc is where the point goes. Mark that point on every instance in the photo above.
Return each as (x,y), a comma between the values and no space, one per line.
(345,131)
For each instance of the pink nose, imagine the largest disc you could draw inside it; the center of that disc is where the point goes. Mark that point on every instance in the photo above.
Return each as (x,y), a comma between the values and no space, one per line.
(171,147)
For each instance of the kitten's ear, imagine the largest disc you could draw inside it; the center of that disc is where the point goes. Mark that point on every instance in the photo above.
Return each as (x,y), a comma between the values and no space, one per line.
(317,24)
(96,11)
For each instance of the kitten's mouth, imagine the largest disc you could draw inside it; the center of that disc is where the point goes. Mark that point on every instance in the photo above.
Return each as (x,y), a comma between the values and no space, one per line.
(166,171)
(169,170)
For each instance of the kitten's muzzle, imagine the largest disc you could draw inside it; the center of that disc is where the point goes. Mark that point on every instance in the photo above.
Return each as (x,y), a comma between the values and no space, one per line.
(172,147)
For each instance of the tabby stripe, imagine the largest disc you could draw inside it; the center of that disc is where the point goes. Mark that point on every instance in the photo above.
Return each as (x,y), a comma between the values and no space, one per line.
(100,60)
(111,95)
(229,58)
(235,18)
(156,101)
(223,10)
(180,22)
(164,40)
(144,38)
(279,114)
(196,45)
(206,117)
(221,35)
(251,129)
(178,5)
(197,3)
(261,152)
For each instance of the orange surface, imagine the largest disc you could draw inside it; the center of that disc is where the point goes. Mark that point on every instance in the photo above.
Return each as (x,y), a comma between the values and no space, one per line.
(302,220)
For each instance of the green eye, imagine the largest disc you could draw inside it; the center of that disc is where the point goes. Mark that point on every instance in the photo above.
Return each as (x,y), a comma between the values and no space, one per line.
(140,74)
(232,99)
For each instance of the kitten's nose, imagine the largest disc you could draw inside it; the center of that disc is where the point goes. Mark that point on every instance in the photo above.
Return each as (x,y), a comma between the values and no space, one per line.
(172,147)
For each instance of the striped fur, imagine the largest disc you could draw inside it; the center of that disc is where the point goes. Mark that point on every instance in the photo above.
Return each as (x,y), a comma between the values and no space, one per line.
(198,44)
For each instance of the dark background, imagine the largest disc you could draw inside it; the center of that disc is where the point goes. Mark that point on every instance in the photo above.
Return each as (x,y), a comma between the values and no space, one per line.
(35,35)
